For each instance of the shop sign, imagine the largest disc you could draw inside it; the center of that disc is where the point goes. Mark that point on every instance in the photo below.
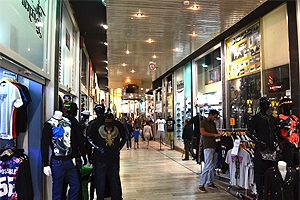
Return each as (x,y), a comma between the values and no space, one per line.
(276,87)
(152,66)
(180,86)
(35,13)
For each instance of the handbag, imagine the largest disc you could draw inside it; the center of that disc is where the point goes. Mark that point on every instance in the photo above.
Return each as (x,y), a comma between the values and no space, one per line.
(270,155)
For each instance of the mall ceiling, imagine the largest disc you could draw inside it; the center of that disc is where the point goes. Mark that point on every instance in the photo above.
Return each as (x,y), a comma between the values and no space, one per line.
(176,28)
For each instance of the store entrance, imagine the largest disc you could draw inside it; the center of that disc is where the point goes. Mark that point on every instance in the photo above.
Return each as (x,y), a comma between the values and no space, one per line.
(28,129)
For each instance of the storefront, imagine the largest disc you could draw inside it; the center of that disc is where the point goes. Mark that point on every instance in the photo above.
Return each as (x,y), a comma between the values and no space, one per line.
(208,91)
(27,58)
(254,68)
(182,100)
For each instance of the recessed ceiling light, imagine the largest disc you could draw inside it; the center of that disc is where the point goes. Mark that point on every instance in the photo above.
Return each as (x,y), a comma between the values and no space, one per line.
(150,40)
(127,52)
(195,7)
(139,14)
(132,71)
(105,43)
(106,61)
(177,49)
(193,34)
(154,56)
(124,64)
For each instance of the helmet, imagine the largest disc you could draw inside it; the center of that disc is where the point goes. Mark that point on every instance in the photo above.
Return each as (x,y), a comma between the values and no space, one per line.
(285,101)
(264,103)
(99,109)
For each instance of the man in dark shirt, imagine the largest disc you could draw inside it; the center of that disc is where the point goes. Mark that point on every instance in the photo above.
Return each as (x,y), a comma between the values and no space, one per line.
(209,135)
(108,138)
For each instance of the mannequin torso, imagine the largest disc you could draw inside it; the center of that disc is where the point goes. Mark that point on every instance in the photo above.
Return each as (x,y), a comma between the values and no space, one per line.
(282,169)
(57,115)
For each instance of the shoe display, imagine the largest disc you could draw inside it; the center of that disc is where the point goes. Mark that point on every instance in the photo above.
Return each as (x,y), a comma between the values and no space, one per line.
(212,186)
(202,189)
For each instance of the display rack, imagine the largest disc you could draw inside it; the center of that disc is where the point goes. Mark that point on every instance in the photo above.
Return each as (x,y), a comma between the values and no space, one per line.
(223,179)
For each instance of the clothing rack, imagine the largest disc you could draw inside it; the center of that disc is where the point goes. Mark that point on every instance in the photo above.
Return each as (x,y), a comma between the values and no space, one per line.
(223,179)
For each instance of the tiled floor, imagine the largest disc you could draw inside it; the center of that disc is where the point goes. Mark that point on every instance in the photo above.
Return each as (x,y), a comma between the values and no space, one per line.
(159,173)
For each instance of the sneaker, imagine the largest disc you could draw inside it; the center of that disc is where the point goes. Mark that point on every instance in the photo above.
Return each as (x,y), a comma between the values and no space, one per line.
(212,186)
(202,189)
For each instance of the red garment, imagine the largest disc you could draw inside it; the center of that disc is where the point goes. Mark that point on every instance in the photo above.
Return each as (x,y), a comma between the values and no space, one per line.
(289,128)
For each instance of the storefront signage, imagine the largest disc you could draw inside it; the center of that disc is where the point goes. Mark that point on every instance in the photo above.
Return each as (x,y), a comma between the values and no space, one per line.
(276,87)
(35,13)
(180,86)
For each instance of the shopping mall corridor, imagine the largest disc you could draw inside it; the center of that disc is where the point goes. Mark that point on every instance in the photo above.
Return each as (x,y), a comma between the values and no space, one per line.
(159,173)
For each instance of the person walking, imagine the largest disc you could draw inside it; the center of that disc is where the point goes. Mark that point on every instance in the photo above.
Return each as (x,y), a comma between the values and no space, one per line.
(128,130)
(210,138)
(136,133)
(187,137)
(147,133)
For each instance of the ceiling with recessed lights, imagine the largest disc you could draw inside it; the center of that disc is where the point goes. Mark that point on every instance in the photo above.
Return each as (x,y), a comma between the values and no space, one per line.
(164,32)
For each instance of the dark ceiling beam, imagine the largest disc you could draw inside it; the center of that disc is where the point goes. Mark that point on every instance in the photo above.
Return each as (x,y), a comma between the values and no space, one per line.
(90,15)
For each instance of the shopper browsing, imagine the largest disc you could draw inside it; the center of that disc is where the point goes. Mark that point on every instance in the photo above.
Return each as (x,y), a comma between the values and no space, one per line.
(210,137)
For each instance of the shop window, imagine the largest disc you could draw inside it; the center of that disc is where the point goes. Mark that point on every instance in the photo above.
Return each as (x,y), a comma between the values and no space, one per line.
(276,85)
(244,99)
(209,67)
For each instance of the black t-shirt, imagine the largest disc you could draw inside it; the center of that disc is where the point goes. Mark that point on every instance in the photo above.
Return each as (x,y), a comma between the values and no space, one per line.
(170,125)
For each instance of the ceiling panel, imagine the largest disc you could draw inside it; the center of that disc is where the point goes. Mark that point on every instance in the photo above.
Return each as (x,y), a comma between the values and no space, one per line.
(169,24)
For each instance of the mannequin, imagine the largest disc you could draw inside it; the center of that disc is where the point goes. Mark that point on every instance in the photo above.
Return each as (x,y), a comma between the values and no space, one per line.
(59,134)
(161,129)
(282,169)
(57,115)
(170,131)
(262,131)
(281,182)
(288,132)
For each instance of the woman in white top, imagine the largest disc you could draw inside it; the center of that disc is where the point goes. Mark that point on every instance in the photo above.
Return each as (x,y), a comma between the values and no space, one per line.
(147,133)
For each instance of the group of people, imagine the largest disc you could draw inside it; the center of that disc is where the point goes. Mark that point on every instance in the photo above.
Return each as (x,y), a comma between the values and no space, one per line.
(101,143)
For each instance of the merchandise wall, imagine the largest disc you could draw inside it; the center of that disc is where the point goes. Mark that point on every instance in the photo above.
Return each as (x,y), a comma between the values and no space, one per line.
(252,70)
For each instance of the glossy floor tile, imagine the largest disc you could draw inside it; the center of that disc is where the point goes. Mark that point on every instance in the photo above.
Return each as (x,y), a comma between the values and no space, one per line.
(159,173)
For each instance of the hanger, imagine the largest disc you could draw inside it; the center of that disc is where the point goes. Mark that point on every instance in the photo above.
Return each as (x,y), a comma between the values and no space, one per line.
(7,152)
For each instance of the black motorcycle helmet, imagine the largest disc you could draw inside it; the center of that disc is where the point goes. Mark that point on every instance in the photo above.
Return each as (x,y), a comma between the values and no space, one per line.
(285,101)
(264,103)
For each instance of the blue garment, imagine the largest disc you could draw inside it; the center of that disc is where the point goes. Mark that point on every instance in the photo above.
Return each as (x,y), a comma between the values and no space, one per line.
(208,175)
(111,171)
(136,134)
(64,170)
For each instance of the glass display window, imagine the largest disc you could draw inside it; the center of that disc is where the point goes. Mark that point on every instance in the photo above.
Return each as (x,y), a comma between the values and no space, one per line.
(243,52)
(277,85)
(209,68)
(244,99)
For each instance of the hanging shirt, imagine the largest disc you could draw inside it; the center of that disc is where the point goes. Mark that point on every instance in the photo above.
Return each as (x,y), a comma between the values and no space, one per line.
(238,164)
(10,99)
(160,124)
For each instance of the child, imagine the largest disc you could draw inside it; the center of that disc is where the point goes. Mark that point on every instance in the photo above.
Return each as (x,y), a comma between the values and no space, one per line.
(136,134)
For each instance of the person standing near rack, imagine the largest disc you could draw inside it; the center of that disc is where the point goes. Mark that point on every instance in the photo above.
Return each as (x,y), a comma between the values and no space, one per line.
(197,135)
(210,137)
(261,130)
(187,137)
